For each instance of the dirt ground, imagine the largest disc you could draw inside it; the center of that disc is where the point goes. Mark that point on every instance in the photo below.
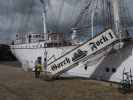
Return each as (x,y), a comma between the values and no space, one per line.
(15,84)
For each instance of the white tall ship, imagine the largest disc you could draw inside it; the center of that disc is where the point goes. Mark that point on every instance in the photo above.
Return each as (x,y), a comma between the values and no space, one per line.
(107,55)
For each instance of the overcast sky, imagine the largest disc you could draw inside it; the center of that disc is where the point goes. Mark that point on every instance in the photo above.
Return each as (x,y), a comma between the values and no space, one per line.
(25,15)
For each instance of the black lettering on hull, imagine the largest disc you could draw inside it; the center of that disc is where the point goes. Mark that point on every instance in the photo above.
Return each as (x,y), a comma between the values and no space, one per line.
(58,66)
(111,35)
(105,38)
(93,47)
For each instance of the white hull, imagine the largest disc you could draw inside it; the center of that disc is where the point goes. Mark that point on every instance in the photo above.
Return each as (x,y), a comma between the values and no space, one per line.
(96,67)
(28,55)
(117,60)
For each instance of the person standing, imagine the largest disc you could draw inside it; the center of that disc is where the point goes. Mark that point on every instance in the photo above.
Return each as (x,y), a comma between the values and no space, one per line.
(38,68)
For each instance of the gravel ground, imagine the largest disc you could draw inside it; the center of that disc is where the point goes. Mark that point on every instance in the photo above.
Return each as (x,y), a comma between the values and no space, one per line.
(15,84)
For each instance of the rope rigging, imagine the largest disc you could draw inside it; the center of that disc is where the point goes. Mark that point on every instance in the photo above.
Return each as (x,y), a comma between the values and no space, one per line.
(58,19)
(126,19)
(100,8)
(83,19)
(26,19)
(82,13)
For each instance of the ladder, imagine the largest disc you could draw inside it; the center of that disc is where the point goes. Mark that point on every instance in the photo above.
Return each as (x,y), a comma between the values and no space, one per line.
(72,58)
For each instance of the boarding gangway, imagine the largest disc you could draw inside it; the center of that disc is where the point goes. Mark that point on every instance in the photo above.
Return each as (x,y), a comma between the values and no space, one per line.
(72,58)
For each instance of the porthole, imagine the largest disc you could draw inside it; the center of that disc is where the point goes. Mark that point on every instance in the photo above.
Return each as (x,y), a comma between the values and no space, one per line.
(85,67)
(113,70)
(107,69)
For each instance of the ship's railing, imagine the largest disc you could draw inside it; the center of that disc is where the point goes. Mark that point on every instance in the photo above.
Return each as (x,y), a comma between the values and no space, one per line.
(41,45)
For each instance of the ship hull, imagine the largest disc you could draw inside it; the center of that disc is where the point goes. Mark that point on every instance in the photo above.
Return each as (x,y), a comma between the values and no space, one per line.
(108,66)
(27,54)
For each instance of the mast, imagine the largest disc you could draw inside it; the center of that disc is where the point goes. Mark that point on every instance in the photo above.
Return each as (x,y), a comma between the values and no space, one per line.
(118,30)
(94,11)
(44,19)
(44,25)
(116,16)
(92,20)
(92,23)
(45,33)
